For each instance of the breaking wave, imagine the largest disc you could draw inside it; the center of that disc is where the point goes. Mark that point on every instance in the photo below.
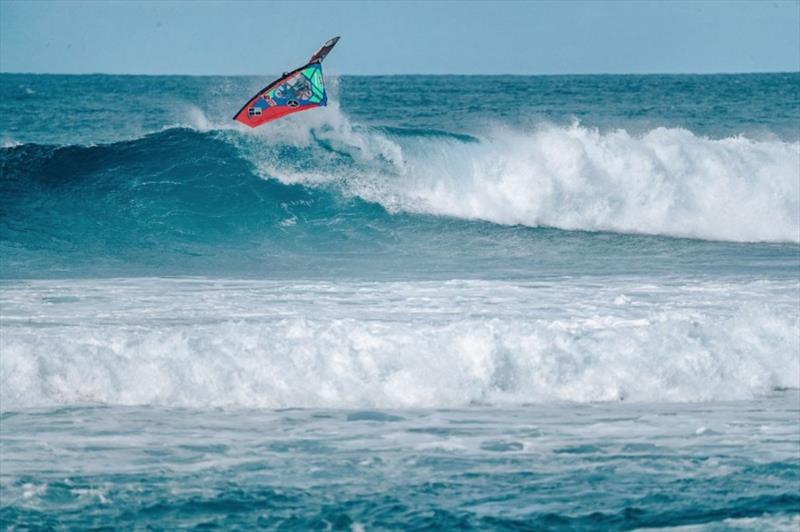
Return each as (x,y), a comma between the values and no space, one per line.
(665,182)
(391,345)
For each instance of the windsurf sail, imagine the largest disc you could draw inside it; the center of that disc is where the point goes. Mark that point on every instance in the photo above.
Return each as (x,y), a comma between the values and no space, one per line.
(298,90)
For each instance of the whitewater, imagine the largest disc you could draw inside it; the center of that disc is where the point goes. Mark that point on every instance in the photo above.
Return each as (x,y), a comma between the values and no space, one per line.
(417,307)
(667,181)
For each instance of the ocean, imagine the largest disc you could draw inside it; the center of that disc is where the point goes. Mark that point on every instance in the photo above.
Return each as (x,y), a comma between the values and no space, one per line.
(475,302)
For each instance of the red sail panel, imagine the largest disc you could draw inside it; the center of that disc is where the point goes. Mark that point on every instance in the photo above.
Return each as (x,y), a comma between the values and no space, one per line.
(269,114)
(299,90)
(296,91)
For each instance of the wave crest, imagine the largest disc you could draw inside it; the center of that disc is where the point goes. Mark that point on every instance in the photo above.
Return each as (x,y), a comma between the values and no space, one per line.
(665,182)
(355,362)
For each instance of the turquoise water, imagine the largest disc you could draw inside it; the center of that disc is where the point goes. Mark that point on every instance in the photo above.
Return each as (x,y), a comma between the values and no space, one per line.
(598,466)
(503,302)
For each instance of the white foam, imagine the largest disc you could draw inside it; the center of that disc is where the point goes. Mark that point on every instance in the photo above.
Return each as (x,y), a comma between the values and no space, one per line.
(8,142)
(666,182)
(421,344)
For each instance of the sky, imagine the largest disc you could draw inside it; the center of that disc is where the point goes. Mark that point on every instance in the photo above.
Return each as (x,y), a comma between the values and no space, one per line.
(400,37)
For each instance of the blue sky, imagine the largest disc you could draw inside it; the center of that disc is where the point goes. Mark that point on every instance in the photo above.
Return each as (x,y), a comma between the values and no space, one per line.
(402,37)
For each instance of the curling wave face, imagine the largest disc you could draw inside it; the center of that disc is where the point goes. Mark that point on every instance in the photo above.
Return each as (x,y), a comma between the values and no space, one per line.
(191,192)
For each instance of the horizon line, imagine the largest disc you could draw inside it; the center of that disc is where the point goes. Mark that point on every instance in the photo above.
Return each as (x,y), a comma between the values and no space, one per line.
(715,73)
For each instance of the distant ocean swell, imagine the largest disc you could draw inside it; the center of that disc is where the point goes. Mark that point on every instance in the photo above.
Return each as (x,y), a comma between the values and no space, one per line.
(201,184)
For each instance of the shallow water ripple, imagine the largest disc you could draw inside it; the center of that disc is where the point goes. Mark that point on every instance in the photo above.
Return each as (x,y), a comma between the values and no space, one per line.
(611,466)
